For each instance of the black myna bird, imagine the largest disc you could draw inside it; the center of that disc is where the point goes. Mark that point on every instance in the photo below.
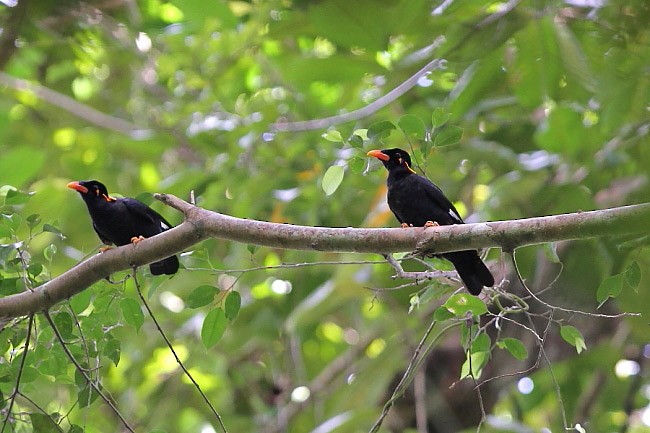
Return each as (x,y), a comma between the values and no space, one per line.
(417,202)
(121,221)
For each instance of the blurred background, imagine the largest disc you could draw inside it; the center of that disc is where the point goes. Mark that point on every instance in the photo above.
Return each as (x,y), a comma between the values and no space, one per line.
(553,101)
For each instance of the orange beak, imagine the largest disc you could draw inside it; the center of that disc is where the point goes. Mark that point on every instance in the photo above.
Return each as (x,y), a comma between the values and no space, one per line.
(379,155)
(78,187)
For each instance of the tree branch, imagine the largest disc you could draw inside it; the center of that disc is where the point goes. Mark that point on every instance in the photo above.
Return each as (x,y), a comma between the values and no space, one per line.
(309,125)
(76,108)
(202,224)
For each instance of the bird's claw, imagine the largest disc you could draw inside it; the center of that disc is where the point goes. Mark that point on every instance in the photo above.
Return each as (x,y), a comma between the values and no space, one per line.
(136,239)
(104,249)
(405,226)
(431,224)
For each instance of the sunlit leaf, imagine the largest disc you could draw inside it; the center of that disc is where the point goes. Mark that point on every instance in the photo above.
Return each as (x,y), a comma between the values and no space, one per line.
(573,336)
(214,326)
(515,347)
(462,303)
(481,343)
(333,135)
(441,314)
(332,179)
(476,360)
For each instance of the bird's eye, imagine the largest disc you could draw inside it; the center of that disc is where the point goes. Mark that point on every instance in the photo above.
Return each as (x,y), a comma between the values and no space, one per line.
(97,192)
(399,160)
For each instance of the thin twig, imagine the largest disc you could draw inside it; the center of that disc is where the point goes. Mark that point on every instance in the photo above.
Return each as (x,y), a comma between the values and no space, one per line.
(418,276)
(20,372)
(416,359)
(408,84)
(171,349)
(563,309)
(83,372)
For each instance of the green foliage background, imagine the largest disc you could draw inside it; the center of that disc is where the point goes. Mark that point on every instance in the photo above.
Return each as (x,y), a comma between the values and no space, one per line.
(553,101)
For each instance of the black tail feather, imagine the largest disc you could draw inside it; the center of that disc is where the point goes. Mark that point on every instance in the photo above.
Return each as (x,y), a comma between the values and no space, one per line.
(168,266)
(471,270)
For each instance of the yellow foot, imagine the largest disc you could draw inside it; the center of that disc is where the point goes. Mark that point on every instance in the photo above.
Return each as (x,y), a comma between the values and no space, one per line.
(135,240)
(104,249)
(431,224)
(405,226)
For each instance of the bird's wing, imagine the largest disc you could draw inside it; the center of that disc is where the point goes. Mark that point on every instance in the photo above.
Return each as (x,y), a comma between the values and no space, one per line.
(103,238)
(435,194)
(144,212)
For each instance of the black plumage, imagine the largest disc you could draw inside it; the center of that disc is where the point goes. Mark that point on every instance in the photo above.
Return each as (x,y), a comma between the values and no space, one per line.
(121,221)
(416,201)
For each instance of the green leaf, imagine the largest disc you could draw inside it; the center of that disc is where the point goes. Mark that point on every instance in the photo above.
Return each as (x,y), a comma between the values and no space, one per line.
(232,305)
(49,252)
(357,164)
(462,303)
(333,135)
(441,314)
(439,117)
(477,360)
(112,350)
(573,336)
(412,125)
(35,269)
(17,197)
(610,287)
(201,296)
(33,220)
(81,301)
(132,312)
(356,141)
(332,179)
(50,228)
(448,135)
(63,322)
(515,347)
(481,343)
(633,275)
(42,423)
(214,326)
(379,130)
(87,396)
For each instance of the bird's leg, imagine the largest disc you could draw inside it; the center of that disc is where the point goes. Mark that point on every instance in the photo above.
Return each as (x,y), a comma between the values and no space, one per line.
(136,239)
(405,226)
(104,248)
(431,224)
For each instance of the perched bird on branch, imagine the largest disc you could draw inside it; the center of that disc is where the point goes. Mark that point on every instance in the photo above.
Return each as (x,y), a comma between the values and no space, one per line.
(418,202)
(122,221)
